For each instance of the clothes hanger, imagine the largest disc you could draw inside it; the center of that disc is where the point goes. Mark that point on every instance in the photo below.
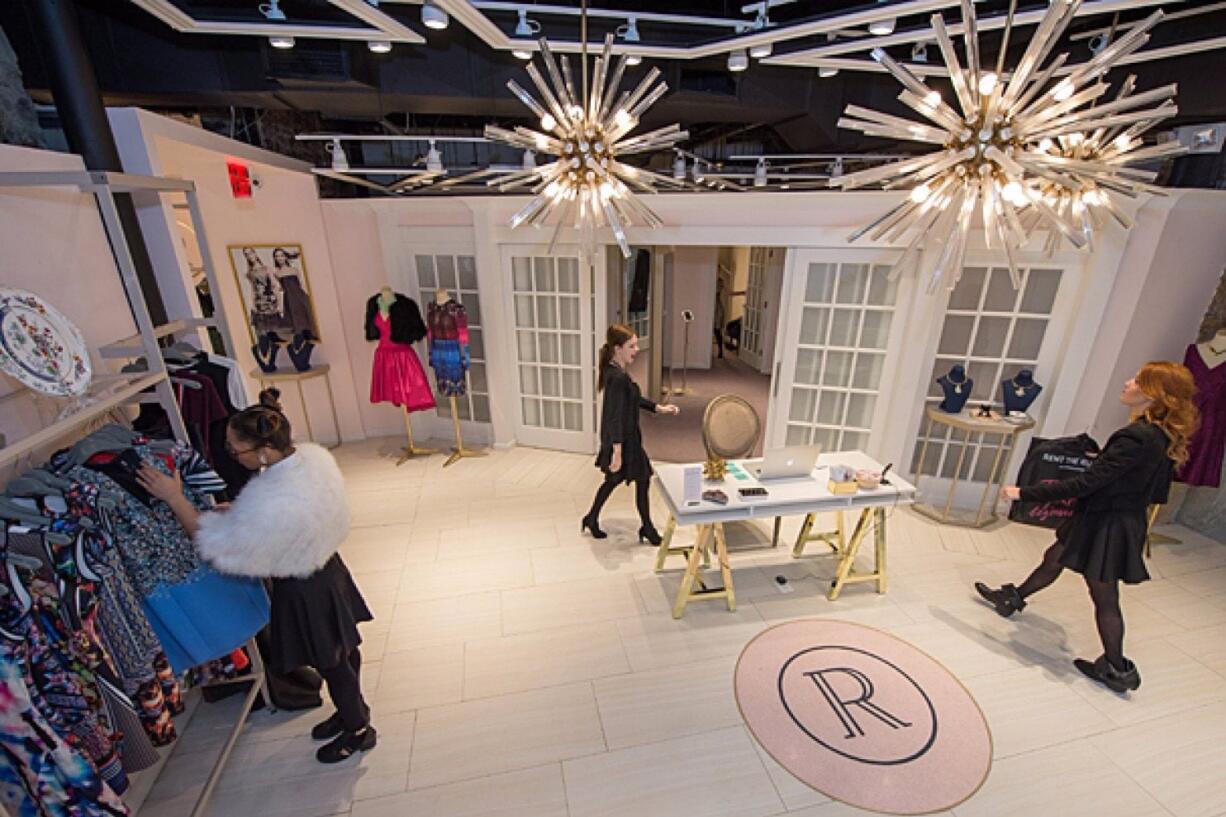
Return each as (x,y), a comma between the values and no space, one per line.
(183,381)
(27,486)
(21,514)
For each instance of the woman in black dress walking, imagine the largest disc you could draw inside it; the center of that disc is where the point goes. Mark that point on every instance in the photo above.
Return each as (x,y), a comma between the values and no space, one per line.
(621,456)
(1104,537)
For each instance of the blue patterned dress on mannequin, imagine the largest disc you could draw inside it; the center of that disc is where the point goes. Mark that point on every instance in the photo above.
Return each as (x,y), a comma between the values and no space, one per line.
(447,325)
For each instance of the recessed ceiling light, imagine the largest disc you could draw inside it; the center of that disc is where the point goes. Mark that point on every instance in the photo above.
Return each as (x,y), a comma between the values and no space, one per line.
(826,73)
(522,54)
(761,51)
(281,42)
(434,17)
(379,46)
(882,27)
(738,60)
(633,59)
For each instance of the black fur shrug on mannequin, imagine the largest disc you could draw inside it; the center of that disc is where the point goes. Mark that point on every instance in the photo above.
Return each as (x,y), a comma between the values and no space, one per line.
(405,317)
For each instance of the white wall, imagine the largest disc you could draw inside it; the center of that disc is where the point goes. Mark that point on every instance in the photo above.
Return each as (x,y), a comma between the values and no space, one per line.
(285,209)
(1170,270)
(52,243)
(692,287)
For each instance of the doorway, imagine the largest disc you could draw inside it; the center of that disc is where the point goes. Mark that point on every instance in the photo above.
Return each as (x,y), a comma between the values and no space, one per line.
(690,307)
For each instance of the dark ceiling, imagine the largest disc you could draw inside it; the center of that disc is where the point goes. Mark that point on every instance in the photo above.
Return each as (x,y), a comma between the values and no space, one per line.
(455,83)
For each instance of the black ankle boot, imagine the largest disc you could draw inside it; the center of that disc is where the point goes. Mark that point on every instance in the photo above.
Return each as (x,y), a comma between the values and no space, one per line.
(593,527)
(1116,680)
(1006,600)
(650,535)
(326,730)
(347,745)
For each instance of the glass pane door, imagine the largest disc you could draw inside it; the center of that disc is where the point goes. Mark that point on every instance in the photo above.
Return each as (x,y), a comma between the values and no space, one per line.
(755,302)
(551,301)
(841,345)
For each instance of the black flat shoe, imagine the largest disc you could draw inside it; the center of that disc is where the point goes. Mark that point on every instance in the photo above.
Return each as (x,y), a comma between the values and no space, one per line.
(347,745)
(1006,600)
(1107,675)
(650,536)
(591,526)
(326,730)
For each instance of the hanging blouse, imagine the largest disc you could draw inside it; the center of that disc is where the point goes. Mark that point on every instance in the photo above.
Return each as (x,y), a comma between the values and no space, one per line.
(40,775)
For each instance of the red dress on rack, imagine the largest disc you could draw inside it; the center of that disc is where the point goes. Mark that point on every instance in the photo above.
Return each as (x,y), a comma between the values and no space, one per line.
(397,376)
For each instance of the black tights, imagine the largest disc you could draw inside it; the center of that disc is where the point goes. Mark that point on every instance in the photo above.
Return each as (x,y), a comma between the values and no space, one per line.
(1105,595)
(345,687)
(642,498)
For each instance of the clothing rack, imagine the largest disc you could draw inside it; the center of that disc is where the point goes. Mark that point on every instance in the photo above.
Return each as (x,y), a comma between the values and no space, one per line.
(107,392)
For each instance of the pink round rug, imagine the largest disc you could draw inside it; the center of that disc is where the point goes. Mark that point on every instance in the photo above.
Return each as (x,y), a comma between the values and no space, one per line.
(863,717)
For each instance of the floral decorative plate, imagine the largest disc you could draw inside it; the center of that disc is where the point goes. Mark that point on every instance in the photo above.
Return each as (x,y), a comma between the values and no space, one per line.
(40,347)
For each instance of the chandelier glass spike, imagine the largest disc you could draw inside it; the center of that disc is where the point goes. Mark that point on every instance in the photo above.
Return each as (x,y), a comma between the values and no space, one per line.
(1030,151)
(587,185)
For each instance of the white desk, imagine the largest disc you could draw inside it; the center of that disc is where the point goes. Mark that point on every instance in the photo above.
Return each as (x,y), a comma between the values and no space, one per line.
(791,497)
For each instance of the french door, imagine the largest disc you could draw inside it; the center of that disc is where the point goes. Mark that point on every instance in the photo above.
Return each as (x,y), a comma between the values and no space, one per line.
(752,323)
(553,303)
(840,342)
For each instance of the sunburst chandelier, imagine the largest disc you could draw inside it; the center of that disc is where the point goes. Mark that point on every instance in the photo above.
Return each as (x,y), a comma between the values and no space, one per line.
(587,185)
(1027,151)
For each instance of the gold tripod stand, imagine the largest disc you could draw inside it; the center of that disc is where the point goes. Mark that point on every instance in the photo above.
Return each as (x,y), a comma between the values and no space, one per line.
(411,450)
(460,452)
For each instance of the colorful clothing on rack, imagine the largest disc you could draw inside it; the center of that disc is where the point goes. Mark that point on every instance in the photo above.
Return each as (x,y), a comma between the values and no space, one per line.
(196,613)
(40,775)
(397,376)
(447,325)
(35,635)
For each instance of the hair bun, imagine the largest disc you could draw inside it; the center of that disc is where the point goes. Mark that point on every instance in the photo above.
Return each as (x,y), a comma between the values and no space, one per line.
(271,398)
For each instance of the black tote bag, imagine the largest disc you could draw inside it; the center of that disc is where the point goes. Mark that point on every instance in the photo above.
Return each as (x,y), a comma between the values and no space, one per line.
(1052,461)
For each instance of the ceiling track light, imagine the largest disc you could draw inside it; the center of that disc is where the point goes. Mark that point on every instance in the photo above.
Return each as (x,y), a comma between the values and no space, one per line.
(281,42)
(679,167)
(526,27)
(630,33)
(522,54)
(759,52)
(434,17)
(434,159)
(882,28)
(738,60)
(272,11)
(826,72)
(759,174)
(919,52)
(379,46)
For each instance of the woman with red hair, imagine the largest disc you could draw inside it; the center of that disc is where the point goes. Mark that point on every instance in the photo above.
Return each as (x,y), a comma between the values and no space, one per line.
(1104,538)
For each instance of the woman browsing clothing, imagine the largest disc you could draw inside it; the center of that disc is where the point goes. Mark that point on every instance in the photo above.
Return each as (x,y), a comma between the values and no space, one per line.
(1104,537)
(286,526)
(621,456)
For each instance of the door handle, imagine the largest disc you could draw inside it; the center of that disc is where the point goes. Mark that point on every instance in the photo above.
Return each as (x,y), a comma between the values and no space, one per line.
(775,385)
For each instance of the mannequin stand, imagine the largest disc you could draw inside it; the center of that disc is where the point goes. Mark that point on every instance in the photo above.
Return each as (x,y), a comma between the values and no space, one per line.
(411,450)
(459,452)
(685,359)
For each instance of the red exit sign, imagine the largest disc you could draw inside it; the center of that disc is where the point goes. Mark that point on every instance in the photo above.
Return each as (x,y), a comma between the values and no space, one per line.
(240,179)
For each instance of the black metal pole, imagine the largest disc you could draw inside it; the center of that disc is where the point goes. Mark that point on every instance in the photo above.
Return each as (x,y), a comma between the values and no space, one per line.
(83,116)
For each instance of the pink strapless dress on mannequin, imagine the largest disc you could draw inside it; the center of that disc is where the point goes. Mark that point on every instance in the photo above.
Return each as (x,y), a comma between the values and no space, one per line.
(397,376)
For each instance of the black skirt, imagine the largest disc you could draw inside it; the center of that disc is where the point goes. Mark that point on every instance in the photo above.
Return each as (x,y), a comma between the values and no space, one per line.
(1105,545)
(314,621)
(636,465)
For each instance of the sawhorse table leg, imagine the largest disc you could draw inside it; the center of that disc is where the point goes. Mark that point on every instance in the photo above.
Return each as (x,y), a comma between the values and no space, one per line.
(836,538)
(686,593)
(869,517)
(666,545)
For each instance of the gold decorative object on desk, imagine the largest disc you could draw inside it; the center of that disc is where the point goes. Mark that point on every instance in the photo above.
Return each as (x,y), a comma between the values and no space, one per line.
(715,469)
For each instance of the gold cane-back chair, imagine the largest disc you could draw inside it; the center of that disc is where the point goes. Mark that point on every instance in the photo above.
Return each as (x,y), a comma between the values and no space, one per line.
(731,428)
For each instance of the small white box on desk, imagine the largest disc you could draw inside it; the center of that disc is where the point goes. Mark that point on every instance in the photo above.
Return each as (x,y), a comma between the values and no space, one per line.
(692,488)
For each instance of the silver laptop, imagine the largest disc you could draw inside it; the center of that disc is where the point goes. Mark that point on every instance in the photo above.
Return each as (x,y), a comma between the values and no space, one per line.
(788,463)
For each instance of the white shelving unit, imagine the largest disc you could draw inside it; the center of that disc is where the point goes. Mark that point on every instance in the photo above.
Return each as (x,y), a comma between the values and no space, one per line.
(107,392)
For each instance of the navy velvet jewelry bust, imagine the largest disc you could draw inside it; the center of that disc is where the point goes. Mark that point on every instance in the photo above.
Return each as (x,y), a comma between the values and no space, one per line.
(266,350)
(1019,391)
(957,387)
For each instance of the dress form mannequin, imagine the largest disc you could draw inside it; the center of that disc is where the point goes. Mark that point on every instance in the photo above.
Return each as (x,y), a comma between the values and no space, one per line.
(957,387)
(441,299)
(387,297)
(1019,391)
(1213,351)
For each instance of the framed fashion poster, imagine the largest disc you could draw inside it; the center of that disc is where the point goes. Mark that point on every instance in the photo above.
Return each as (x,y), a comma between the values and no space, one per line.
(272,280)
